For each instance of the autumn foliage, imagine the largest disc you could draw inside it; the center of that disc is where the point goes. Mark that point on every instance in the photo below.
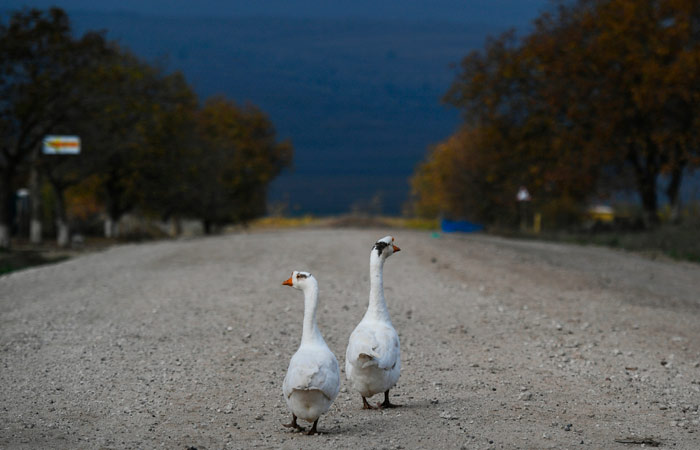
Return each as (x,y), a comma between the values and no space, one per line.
(603,95)
(148,144)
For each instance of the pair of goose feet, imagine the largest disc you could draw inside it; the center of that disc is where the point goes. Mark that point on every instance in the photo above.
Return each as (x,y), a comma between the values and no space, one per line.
(385,404)
(296,426)
(365,405)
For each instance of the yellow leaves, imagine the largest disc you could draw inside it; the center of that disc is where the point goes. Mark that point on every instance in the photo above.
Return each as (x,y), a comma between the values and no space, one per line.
(594,83)
(82,201)
(238,156)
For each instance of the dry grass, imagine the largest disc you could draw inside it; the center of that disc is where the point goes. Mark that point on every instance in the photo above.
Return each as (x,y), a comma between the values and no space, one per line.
(352,221)
(680,242)
(285,222)
(11,261)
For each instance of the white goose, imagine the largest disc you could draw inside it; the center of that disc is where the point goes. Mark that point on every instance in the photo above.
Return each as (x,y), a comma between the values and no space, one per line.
(313,379)
(373,356)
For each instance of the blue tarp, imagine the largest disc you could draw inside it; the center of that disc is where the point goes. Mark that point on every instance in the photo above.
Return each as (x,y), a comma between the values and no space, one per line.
(450,226)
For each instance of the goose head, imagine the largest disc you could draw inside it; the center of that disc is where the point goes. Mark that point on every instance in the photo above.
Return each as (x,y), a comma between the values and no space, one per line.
(385,247)
(300,280)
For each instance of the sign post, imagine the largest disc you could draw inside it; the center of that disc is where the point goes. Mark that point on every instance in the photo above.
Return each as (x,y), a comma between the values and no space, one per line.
(523,198)
(61,145)
(57,145)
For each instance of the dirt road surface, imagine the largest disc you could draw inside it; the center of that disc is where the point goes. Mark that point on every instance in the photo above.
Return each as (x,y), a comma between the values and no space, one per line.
(505,344)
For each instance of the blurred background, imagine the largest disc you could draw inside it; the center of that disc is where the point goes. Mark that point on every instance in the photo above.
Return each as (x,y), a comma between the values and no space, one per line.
(574,119)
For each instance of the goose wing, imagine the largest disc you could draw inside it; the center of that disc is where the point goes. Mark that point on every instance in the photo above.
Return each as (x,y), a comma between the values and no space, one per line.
(374,345)
(313,369)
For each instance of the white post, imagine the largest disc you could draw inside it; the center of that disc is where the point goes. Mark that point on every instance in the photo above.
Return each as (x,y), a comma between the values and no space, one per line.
(109,227)
(35,231)
(62,236)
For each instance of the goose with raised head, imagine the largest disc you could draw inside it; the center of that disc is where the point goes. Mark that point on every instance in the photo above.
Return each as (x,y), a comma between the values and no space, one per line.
(313,379)
(373,356)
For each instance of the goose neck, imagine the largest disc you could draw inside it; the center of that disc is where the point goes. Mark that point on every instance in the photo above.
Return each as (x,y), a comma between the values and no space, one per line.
(377,304)
(310,331)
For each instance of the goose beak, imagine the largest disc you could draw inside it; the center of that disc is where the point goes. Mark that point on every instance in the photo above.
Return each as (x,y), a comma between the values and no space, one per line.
(287,282)
(396,249)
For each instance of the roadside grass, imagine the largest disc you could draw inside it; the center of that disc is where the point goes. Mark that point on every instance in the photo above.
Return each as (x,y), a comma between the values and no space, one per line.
(414,223)
(352,220)
(14,260)
(679,242)
(24,255)
(285,222)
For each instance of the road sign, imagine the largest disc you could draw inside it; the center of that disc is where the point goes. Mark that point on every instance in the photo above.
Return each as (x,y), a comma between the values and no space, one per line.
(523,194)
(61,145)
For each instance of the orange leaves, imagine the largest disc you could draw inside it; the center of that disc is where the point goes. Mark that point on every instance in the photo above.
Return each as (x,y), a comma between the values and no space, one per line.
(237,156)
(600,87)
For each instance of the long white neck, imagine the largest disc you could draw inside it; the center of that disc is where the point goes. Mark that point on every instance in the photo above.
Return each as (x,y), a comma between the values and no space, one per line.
(310,332)
(377,309)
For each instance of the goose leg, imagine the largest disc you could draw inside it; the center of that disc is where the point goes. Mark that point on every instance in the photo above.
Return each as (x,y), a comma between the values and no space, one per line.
(366,405)
(294,424)
(313,429)
(387,403)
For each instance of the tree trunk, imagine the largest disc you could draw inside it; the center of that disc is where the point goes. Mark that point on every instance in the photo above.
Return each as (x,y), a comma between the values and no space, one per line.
(114,207)
(5,199)
(673,190)
(175,226)
(646,173)
(62,231)
(4,236)
(207,226)
(35,231)
(647,190)
(116,227)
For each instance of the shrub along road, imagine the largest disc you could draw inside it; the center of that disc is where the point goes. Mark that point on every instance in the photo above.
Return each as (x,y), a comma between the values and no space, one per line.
(505,344)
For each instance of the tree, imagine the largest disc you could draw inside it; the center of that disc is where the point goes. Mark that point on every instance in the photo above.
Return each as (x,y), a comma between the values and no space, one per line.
(129,100)
(134,128)
(450,182)
(164,167)
(39,59)
(600,89)
(624,73)
(509,139)
(237,156)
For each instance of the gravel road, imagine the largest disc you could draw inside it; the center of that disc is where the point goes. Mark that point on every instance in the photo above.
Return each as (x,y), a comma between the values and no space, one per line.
(505,344)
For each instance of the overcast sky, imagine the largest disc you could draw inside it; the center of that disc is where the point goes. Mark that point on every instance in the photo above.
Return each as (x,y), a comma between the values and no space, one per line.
(360,99)
(511,12)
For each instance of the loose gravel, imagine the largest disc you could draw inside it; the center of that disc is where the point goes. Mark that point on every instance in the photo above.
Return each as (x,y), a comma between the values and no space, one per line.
(505,344)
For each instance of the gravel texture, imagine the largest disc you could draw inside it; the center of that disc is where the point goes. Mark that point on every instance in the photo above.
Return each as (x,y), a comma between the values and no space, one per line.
(505,344)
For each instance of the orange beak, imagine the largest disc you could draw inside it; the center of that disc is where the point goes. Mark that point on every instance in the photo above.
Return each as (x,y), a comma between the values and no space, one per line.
(396,249)
(288,282)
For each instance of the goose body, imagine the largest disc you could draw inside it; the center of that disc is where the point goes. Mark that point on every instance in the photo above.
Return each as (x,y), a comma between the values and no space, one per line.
(312,381)
(373,355)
